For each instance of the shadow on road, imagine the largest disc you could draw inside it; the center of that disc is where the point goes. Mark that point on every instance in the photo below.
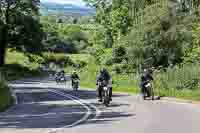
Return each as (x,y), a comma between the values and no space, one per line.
(39,108)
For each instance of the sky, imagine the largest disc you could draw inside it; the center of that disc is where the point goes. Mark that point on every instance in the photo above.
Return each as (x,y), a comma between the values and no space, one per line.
(75,2)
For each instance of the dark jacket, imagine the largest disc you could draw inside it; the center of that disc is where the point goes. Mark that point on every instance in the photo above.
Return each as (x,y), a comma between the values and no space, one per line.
(103,76)
(75,76)
(145,78)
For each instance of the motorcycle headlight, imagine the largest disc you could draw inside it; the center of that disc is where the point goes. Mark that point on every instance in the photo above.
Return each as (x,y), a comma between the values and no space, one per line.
(105,88)
(148,85)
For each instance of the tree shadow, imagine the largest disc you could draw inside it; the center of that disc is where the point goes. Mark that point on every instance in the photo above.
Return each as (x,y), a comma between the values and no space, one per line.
(40,108)
(53,112)
(37,115)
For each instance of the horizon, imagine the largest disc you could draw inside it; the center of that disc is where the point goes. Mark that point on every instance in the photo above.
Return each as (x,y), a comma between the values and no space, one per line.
(74,2)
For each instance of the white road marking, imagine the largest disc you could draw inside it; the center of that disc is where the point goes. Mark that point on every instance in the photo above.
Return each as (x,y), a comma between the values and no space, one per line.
(80,101)
(98,112)
(40,115)
(89,112)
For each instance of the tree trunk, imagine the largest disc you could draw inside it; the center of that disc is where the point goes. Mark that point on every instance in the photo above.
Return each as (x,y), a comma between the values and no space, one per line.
(4,35)
(3,45)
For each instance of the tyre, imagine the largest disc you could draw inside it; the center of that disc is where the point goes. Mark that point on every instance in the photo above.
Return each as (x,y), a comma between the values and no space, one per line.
(144,97)
(152,94)
(75,88)
(106,98)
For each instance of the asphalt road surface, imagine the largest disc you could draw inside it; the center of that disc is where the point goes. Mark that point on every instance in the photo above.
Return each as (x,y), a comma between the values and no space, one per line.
(45,107)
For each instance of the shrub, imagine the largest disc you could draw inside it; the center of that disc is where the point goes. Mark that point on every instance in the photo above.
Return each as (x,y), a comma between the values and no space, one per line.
(79,64)
(119,54)
(5,95)
(185,77)
(119,68)
(15,71)
(59,59)
(107,61)
(36,58)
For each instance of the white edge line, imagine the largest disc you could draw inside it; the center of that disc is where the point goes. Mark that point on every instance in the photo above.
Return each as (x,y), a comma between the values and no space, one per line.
(77,100)
(98,112)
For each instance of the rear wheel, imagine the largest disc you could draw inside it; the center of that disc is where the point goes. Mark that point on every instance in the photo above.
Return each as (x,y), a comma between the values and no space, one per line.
(152,94)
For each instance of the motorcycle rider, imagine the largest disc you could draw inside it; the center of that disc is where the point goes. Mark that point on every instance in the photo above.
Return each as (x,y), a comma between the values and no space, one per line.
(60,74)
(74,76)
(145,78)
(104,75)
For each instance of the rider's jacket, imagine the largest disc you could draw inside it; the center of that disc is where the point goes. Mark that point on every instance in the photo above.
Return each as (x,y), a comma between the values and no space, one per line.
(103,76)
(146,77)
(74,76)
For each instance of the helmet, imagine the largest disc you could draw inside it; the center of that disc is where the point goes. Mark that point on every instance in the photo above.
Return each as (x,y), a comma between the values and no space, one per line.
(102,70)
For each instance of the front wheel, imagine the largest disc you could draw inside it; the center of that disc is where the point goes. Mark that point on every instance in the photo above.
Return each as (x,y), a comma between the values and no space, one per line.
(75,88)
(106,98)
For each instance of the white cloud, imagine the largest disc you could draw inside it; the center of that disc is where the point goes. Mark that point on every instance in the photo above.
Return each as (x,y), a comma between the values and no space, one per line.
(75,2)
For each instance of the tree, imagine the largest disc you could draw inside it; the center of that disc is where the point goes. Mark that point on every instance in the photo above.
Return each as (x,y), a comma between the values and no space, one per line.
(121,18)
(114,16)
(19,26)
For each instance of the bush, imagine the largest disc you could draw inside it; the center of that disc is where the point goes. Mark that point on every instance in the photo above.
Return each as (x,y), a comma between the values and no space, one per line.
(59,59)
(5,95)
(107,61)
(97,53)
(36,58)
(79,64)
(186,77)
(119,68)
(15,71)
(119,54)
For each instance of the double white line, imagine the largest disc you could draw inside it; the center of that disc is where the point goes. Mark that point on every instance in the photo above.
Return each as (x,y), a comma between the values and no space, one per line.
(86,105)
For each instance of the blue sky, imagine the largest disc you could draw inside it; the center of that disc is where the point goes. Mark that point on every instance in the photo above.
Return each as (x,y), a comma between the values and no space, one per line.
(75,2)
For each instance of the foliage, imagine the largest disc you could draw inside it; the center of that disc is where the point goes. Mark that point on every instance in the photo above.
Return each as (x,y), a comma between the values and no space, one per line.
(178,82)
(119,54)
(113,16)
(64,37)
(6,98)
(59,59)
(20,26)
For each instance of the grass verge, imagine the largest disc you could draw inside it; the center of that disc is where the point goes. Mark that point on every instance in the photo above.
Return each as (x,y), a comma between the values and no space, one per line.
(6,98)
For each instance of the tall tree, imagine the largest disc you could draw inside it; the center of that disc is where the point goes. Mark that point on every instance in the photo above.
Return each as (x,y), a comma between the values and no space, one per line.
(18,19)
(114,16)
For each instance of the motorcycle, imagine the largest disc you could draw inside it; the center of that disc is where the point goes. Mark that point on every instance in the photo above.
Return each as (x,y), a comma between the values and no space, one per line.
(75,85)
(105,93)
(60,78)
(148,92)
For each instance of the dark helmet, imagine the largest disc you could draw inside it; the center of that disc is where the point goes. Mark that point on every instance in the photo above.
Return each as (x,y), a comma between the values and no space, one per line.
(103,70)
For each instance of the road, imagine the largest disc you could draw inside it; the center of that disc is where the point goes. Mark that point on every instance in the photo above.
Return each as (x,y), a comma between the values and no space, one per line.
(44,107)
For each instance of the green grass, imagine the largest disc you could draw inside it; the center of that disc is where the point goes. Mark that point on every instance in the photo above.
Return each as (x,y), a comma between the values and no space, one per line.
(183,82)
(18,65)
(122,83)
(183,94)
(164,81)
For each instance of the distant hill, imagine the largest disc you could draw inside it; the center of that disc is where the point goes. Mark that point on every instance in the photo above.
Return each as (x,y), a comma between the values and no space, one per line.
(67,9)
